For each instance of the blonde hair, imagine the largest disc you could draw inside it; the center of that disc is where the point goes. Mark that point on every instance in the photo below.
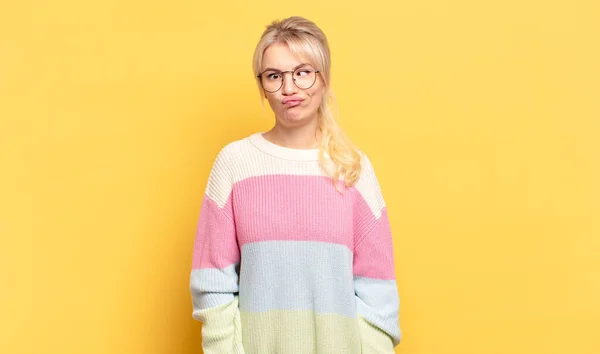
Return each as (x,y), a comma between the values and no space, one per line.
(305,39)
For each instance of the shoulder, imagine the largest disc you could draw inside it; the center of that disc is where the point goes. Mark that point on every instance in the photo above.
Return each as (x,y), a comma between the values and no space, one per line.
(233,160)
(367,170)
(230,155)
(223,172)
(230,151)
(368,186)
(224,163)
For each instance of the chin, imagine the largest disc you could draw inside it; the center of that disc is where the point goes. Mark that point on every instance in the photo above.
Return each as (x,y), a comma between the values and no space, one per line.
(294,120)
(292,116)
(298,118)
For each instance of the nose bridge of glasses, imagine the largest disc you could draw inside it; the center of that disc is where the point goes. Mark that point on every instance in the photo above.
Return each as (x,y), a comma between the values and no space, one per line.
(284,81)
(288,71)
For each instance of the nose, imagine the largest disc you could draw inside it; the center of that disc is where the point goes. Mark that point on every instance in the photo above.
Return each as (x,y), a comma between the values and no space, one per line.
(289,87)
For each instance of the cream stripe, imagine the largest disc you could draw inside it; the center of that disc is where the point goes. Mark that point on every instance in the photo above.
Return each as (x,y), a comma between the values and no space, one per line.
(374,340)
(241,159)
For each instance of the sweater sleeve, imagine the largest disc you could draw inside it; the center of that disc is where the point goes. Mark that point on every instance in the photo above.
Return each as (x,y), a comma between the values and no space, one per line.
(375,287)
(215,264)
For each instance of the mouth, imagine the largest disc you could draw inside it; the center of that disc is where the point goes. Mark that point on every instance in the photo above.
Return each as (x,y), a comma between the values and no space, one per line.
(292,101)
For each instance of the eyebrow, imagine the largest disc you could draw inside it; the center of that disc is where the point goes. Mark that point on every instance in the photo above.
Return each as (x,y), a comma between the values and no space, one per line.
(297,66)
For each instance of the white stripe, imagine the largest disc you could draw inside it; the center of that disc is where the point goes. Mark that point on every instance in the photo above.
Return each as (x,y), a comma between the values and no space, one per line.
(369,188)
(241,159)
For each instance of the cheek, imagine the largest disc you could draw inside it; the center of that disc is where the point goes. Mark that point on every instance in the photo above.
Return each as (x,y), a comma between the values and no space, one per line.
(317,93)
(315,98)
(273,102)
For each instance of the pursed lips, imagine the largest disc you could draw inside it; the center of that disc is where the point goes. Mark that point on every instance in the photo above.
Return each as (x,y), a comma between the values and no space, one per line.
(292,101)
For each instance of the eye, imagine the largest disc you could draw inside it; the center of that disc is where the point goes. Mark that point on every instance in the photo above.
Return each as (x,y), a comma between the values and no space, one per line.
(302,72)
(273,76)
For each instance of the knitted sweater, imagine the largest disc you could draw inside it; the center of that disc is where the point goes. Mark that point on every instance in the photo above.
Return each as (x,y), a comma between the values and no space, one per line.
(285,264)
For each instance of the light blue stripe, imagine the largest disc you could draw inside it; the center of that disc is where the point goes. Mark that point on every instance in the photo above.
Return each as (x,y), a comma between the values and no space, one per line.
(297,275)
(378,302)
(212,287)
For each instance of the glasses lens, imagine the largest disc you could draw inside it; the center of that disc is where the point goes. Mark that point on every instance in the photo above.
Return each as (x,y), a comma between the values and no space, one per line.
(304,78)
(271,80)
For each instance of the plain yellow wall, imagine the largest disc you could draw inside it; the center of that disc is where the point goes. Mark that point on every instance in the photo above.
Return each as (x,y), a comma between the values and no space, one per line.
(481,118)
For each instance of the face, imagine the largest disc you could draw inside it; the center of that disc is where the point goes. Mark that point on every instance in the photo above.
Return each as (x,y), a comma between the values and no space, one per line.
(292,106)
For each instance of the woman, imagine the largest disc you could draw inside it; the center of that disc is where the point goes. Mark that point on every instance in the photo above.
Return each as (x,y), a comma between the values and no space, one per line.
(285,260)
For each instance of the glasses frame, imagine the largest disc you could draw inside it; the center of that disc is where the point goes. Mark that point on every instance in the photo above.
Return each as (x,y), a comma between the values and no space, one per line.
(282,73)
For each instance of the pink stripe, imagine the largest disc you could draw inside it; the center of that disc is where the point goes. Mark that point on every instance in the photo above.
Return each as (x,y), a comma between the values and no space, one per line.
(374,256)
(364,219)
(293,208)
(215,245)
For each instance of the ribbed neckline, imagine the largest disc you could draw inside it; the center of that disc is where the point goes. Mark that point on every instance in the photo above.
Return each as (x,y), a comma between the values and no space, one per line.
(258,140)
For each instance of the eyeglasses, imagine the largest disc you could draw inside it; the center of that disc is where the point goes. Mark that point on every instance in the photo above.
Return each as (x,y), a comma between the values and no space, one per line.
(272,80)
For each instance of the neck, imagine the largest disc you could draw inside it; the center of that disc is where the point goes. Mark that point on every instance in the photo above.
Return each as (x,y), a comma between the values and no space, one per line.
(303,137)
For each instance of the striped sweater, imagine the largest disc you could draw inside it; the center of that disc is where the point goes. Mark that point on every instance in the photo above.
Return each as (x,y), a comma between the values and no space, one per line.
(285,264)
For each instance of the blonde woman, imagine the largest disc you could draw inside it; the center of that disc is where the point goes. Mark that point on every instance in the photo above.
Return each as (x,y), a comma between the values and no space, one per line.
(293,251)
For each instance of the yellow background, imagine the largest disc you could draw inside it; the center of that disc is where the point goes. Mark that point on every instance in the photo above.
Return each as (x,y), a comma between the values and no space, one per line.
(481,118)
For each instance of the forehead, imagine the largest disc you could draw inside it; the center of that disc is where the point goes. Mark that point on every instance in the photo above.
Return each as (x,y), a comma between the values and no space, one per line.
(279,56)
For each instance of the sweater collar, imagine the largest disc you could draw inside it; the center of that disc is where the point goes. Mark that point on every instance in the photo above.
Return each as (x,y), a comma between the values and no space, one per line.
(258,140)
